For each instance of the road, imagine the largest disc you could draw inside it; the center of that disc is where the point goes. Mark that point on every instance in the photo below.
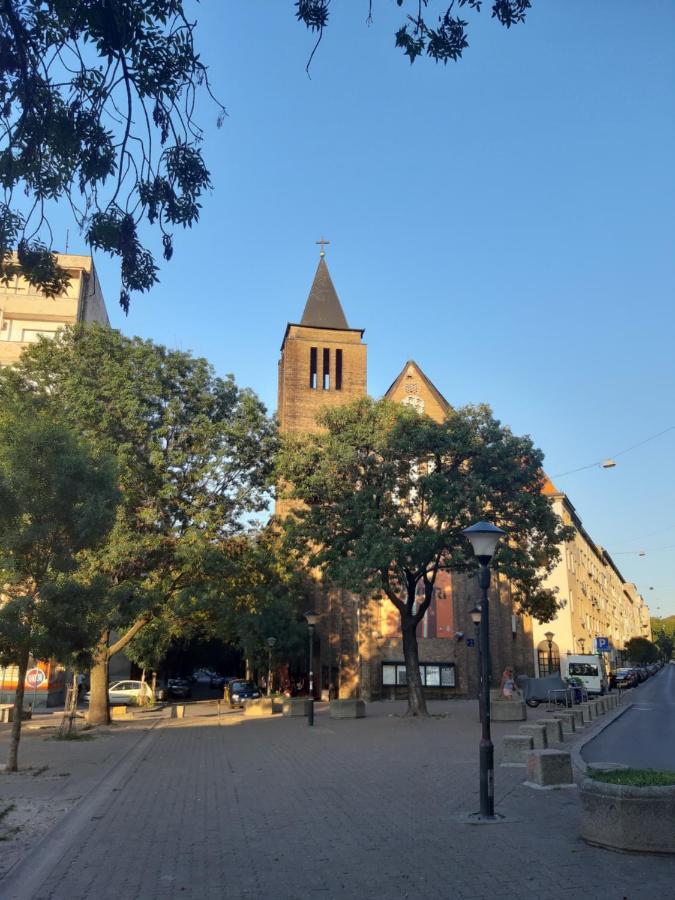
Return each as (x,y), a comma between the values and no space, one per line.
(644,736)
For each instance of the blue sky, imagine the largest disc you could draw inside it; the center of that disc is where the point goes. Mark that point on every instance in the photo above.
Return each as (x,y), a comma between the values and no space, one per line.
(506,221)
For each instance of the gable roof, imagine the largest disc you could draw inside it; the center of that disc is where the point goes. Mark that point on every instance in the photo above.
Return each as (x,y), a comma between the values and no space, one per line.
(412,365)
(323,308)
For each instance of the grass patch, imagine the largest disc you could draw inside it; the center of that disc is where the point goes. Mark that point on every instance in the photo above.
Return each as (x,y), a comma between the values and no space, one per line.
(72,736)
(634,777)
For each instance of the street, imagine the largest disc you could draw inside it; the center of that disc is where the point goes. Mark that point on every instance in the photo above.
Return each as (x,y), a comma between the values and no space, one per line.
(247,809)
(644,736)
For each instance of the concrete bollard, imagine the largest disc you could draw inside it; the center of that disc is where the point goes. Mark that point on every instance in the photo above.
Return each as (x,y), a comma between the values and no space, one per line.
(538,735)
(259,708)
(120,712)
(549,768)
(579,717)
(177,711)
(508,711)
(295,706)
(566,720)
(515,749)
(554,730)
(587,711)
(347,709)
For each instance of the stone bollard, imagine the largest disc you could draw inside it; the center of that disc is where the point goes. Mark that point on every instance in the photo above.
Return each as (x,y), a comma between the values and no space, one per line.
(587,711)
(549,768)
(508,711)
(259,708)
(177,711)
(598,707)
(579,716)
(538,735)
(295,706)
(347,709)
(515,749)
(566,720)
(554,730)
(120,712)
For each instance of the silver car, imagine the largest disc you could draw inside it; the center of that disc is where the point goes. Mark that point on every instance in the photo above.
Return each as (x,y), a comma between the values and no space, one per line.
(126,693)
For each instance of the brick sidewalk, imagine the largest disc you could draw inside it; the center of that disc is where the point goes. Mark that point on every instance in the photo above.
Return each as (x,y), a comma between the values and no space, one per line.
(371,808)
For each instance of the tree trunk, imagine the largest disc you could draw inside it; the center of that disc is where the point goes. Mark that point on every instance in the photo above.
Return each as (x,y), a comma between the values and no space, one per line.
(99,708)
(154,687)
(417,705)
(70,709)
(15,736)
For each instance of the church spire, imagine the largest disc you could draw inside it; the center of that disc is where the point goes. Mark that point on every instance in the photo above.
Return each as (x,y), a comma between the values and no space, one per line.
(323,308)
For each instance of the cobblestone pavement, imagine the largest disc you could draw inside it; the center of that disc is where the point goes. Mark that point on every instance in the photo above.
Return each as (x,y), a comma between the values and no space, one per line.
(246,809)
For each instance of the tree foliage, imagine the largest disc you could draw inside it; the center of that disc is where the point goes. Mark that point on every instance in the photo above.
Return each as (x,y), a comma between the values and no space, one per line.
(194,454)
(97,103)
(435,29)
(640,650)
(57,500)
(386,493)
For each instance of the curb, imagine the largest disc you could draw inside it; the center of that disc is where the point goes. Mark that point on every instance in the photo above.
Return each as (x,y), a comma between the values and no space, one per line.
(578,763)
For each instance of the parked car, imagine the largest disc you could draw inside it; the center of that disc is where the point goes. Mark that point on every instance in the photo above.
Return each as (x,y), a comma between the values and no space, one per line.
(180,688)
(126,693)
(237,690)
(203,676)
(625,678)
(218,681)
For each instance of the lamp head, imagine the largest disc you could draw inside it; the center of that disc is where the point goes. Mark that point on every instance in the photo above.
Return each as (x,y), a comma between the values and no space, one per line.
(549,636)
(312,618)
(271,641)
(484,537)
(476,614)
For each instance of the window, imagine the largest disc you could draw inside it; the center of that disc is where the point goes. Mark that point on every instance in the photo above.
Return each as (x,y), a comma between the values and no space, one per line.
(312,368)
(432,674)
(326,369)
(338,370)
(584,669)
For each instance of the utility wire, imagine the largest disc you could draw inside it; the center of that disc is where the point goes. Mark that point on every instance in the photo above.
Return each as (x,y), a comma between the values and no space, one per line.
(620,453)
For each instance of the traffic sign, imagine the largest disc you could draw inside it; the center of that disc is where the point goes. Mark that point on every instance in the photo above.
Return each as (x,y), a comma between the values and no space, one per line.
(35,677)
(470,642)
(602,645)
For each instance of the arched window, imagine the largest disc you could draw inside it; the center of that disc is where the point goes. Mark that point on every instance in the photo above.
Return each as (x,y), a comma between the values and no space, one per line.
(548,659)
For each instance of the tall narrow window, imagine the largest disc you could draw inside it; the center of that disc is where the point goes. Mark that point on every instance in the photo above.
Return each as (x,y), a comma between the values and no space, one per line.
(312,368)
(338,370)
(326,369)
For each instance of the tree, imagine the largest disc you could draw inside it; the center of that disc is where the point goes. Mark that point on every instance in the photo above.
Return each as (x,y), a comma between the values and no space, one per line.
(641,651)
(97,110)
(665,645)
(385,493)
(194,454)
(57,499)
(445,41)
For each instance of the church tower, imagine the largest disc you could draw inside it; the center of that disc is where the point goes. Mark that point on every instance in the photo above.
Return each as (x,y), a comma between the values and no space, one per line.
(323,360)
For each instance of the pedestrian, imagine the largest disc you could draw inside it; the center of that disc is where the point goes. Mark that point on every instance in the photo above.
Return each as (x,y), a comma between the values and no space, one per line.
(81,683)
(507,686)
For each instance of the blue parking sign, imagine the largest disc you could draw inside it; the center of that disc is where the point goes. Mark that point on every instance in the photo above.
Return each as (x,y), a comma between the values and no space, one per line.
(602,645)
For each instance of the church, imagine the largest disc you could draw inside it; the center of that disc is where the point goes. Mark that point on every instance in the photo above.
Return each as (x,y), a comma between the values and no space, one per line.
(358,649)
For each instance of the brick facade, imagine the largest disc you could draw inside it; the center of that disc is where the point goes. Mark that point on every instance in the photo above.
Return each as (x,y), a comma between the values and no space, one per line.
(356,636)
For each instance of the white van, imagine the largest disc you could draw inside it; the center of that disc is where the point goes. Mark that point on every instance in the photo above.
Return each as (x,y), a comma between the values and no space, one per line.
(589,668)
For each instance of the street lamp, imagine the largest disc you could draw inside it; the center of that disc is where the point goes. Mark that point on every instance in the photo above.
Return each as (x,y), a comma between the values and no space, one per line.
(549,637)
(271,641)
(312,619)
(484,537)
(475,614)
(582,644)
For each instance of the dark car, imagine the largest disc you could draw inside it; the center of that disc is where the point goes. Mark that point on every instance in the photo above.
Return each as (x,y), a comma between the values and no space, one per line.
(625,678)
(218,681)
(180,688)
(238,690)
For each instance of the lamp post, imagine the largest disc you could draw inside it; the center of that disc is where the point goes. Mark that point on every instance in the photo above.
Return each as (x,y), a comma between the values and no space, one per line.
(271,641)
(475,618)
(312,619)
(581,642)
(484,537)
(549,637)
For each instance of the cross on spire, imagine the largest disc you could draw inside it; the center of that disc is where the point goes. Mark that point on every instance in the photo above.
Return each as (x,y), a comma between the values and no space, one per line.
(323,243)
